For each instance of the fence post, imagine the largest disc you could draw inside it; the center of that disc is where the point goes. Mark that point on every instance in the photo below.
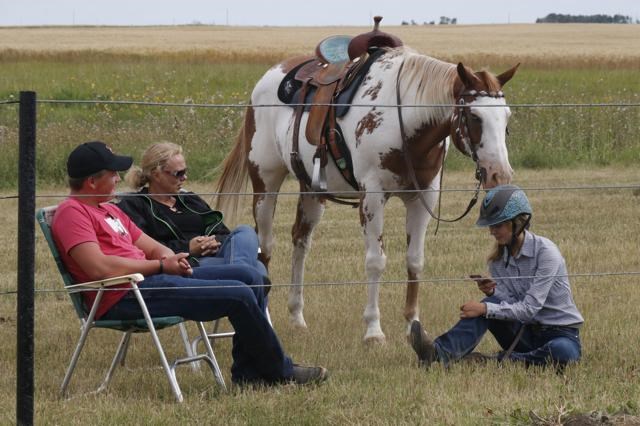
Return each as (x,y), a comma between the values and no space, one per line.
(26,258)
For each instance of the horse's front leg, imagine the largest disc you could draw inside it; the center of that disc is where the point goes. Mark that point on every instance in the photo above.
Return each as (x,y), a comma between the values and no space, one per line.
(308,215)
(416,226)
(372,220)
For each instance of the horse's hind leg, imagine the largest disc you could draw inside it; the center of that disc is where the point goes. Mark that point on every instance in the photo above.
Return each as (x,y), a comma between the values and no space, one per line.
(308,215)
(264,206)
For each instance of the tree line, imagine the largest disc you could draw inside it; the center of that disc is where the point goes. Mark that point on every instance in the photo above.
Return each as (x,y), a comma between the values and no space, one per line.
(558,18)
(552,18)
(444,20)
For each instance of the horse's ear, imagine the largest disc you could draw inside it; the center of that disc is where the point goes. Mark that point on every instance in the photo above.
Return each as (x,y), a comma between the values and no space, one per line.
(464,75)
(506,76)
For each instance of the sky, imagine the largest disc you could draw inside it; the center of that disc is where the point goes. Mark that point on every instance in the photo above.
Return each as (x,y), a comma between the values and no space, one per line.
(291,13)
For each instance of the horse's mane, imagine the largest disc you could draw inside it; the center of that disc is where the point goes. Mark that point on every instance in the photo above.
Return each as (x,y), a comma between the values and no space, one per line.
(428,81)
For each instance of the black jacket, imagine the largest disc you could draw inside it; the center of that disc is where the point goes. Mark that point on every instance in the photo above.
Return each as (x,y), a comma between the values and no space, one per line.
(145,212)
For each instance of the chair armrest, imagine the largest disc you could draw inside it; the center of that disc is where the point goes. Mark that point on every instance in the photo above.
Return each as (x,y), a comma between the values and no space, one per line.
(109,282)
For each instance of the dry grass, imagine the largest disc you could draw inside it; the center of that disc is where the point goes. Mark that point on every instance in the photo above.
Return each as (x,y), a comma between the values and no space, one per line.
(596,230)
(538,45)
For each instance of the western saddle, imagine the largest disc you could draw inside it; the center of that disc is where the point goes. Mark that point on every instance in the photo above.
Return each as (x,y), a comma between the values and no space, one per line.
(325,86)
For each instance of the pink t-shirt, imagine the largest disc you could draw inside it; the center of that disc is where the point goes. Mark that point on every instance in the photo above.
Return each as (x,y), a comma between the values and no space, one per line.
(76,222)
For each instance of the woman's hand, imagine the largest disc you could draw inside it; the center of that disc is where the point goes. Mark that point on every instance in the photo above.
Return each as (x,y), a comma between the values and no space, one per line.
(203,245)
(177,264)
(485,285)
(472,309)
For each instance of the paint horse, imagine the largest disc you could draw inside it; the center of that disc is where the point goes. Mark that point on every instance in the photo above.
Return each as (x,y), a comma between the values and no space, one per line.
(466,105)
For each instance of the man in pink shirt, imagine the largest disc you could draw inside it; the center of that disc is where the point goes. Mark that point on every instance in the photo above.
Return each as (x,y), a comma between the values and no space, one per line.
(97,241)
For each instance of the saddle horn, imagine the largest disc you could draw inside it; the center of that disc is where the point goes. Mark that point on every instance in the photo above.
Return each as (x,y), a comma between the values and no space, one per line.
(375,38)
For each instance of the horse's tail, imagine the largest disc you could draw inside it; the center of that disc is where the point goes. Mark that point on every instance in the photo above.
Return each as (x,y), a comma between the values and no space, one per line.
(235,170)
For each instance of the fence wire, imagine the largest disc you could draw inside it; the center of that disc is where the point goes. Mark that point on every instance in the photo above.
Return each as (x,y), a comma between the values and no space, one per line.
(436,280)
(281,105)
(348,194)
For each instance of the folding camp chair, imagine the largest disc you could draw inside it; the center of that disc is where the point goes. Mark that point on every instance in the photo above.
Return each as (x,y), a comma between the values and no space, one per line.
(127,327)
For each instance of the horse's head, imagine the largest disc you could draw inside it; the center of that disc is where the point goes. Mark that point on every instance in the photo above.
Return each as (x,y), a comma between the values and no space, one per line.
(479,123)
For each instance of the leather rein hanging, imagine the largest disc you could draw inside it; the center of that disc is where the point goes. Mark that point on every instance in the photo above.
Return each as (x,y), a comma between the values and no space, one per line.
(462,127)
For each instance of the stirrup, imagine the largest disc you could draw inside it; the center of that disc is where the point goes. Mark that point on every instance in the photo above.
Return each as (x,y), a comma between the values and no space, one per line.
(319,177)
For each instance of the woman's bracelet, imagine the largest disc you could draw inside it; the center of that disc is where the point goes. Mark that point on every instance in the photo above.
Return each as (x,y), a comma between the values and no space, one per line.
(161,266)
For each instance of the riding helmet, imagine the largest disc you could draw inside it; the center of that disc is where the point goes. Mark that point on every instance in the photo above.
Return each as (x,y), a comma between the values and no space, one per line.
(502,203)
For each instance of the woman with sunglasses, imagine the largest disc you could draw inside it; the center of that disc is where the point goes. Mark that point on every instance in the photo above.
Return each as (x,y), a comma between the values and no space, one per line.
(182,220)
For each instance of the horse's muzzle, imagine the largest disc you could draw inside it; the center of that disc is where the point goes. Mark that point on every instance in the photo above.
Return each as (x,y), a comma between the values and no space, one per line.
(493,178)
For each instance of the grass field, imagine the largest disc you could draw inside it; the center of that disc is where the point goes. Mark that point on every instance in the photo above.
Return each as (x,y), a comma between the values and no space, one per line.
(369,385)
(549,147)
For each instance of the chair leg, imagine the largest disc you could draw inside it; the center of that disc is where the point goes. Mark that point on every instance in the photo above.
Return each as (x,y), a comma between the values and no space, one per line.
(214,362)
(125,350)
(118,358)
(86,327)
(175,388)
(211,337)
(195,366)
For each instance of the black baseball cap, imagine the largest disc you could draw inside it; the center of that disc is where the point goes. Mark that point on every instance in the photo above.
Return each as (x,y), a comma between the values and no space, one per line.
(91,157)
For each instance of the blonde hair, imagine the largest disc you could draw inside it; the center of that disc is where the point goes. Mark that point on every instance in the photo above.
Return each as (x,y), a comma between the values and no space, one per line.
(497,250)
(153,158)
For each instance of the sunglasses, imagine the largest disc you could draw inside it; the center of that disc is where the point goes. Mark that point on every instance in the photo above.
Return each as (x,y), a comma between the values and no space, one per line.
(177,174)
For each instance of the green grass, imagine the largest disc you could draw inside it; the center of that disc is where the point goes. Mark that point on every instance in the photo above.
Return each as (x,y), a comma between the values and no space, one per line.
(539,137)
(368,385)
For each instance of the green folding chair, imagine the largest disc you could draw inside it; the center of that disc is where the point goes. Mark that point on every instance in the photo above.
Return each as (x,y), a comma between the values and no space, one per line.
(126,327)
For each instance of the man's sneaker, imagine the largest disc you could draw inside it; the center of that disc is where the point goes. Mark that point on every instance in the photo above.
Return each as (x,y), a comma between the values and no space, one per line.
(422,344)
(304,375)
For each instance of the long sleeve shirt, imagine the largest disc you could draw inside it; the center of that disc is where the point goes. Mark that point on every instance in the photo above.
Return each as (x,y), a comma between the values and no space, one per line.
(533,287)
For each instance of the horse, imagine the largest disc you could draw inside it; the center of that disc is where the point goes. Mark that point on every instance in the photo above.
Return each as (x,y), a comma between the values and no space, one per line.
(467,107)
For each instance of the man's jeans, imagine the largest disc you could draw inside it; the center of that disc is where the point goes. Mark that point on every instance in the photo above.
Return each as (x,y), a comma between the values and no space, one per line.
(233,291)
(538,345)
(240,247)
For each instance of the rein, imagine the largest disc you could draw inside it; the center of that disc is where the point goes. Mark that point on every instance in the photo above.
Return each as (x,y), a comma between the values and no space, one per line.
(411,170)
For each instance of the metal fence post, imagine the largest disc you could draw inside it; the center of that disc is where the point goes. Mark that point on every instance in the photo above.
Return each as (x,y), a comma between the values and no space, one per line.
(26,258)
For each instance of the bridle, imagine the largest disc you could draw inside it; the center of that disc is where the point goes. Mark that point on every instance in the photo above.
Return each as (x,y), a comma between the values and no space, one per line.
(462,115)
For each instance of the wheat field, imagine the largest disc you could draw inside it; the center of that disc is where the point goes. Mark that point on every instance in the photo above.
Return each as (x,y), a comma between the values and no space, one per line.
(540,45)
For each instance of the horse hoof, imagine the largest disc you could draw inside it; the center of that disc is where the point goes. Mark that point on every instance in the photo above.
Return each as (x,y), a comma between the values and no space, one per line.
(298,323)
(375,340)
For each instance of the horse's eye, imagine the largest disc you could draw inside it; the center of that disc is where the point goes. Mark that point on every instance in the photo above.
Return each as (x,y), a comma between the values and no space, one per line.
(507,130)
(475,118)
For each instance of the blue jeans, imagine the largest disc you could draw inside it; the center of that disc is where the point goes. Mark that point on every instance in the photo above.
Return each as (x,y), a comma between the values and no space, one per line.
(240,247)
(539,345)
(211,293)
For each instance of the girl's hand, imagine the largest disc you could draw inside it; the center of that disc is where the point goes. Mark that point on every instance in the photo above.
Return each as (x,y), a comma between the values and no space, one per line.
(472,309)
(485,285)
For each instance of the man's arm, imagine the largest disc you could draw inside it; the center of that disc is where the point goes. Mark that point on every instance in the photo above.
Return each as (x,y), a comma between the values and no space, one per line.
(99,266)
(151,248)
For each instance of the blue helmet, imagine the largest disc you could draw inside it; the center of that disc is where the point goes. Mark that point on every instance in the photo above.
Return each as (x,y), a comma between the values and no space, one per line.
(502,203)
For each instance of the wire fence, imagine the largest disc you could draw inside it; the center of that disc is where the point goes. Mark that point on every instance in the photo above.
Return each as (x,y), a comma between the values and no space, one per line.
(351,194)
(350,105)
(436,280)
